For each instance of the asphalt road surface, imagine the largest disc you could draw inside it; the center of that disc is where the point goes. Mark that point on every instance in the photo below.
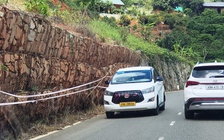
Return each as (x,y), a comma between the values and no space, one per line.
(170,124)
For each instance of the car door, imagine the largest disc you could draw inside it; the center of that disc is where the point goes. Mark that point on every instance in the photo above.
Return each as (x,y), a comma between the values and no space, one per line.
(158,85)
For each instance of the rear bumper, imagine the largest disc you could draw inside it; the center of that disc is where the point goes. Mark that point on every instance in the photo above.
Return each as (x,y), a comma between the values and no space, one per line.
(205,104)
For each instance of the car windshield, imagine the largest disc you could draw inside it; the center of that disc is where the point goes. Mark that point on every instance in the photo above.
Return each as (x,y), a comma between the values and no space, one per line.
(136,76)
(208,72)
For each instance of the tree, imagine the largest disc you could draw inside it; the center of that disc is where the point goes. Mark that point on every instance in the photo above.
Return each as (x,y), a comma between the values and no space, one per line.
(105,7)
(197,6)
(208,16)
(148,4)
(171,39)
(128,3)
(184,3)
(165,5)
(217,49)
(204,41)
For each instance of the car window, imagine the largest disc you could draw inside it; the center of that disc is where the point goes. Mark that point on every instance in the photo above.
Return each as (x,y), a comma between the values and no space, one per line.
(135,76)
(208,72)
(156,74)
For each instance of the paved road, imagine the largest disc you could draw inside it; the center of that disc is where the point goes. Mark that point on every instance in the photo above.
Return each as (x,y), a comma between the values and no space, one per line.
(168,125)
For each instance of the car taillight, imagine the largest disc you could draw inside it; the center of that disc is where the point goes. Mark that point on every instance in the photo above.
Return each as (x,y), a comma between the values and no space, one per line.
(191,83)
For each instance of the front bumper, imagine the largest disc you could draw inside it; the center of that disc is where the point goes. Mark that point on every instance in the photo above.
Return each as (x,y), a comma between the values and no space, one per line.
(137,107)
(146,104)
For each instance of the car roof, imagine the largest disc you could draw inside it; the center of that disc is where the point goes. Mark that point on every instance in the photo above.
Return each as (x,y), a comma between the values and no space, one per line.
(210,64)
(136,68)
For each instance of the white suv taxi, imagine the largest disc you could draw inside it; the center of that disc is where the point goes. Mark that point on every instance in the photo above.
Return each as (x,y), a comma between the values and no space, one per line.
(134,89)
(204,89)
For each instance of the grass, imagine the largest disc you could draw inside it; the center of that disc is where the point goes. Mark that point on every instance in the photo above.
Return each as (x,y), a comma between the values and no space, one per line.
(111,34)
(104,30)
(15,4)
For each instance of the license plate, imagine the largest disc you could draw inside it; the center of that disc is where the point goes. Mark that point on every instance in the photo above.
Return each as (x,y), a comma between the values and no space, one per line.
(215,87)
(127,103)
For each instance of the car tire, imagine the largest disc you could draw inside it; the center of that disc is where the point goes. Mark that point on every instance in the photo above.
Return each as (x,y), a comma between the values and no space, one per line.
(163,106)
(156,110)
(188,114)
(110,114)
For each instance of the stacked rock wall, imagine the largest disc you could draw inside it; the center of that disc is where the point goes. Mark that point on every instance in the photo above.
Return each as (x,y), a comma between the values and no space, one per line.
(36,57)
(36,54)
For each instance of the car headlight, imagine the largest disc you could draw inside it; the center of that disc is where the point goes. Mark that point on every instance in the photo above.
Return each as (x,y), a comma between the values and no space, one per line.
(148,90)
(108,93)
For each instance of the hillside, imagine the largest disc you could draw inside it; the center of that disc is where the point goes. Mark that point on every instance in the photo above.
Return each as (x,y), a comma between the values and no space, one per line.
(50,56)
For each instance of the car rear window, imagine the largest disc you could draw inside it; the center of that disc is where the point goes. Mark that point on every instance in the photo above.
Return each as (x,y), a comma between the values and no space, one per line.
(135,76)
(208,72)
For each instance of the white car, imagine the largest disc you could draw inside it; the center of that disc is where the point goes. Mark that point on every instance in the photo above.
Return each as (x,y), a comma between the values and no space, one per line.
(204,89)
(134,89)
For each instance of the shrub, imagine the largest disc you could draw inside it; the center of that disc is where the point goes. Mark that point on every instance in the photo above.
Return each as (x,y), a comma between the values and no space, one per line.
(189,12)
(117,11)
(153,19)
(39,6)
(124,33)
(93,14)
(135,27)
(146,32)
(111,21)
(125,20)
(133,11)
(170,20)
(85,30)
(4,1)
(144,19)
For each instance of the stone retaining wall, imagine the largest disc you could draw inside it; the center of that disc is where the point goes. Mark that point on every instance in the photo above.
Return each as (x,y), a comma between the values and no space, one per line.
(36,57)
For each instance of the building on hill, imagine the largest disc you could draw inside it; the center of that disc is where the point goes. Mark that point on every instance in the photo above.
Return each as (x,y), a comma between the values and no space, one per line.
(219,6)
(117,3)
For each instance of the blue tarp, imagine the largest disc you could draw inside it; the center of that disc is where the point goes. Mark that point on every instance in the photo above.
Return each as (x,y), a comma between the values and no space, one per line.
(180,9)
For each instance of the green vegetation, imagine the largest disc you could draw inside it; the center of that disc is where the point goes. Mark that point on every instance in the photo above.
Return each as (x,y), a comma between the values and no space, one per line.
(3,68)
(196,35)
(199,37)
(40,6)
(4,1)
(150,49)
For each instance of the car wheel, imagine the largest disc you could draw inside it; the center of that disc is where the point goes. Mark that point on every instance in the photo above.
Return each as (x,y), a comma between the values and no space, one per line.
(188,114)
(156,110)
(163,106)
(110,114)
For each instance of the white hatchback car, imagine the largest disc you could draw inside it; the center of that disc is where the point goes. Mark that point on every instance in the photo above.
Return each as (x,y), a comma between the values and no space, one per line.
(204,89)
(134,89)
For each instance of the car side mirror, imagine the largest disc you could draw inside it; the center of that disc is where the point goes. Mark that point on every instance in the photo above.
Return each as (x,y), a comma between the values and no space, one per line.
(159,78)
(107,82)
